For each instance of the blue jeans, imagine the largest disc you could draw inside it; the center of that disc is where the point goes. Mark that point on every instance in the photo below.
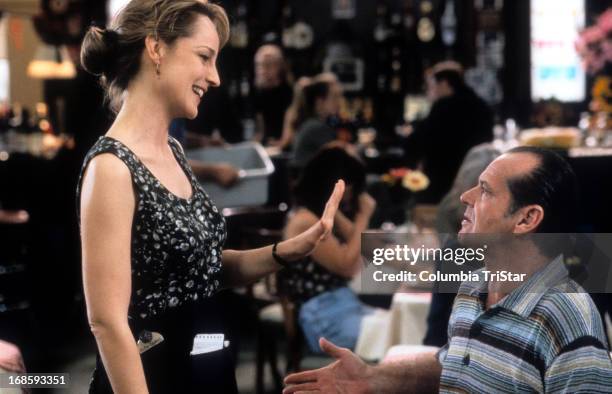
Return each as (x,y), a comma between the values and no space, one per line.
(335,315)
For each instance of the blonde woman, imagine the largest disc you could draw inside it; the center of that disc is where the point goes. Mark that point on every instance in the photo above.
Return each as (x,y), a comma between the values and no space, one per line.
(152,240)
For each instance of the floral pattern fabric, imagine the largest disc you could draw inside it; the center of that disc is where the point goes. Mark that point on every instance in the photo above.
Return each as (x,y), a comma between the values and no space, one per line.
(176,245)
(306,279)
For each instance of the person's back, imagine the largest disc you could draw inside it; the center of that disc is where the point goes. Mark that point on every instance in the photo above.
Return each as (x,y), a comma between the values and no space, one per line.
(312,135)
(318,284)
(458,121)
(319,100)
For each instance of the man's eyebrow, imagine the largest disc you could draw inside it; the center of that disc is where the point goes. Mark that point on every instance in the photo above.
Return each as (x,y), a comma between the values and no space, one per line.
(484,183)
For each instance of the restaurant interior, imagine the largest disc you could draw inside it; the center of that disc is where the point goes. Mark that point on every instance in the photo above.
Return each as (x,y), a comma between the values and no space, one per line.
(534,73)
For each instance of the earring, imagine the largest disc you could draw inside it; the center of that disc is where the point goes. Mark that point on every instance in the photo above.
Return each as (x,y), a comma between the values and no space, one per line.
(157,71)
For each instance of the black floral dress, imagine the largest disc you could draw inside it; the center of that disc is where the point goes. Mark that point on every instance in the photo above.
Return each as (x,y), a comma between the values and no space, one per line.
(176,254)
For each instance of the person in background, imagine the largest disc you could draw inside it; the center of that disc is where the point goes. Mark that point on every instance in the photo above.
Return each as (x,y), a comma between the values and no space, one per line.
(320,100)
(457,121)
(543,334)
(318,284)
(152,240)
(291,114)
(11,360)
(272,94)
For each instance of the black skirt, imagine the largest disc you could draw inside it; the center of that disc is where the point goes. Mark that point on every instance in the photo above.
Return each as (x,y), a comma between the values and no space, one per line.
(168,366)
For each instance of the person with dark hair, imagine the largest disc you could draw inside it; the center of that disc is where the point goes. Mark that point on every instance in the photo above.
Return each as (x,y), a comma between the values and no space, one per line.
(318,284)
(539,334)
(552,185)
(152,240)
(458,120)
(320,99)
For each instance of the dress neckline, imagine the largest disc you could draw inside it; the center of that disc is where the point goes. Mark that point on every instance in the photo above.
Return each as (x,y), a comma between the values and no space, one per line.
(178,160)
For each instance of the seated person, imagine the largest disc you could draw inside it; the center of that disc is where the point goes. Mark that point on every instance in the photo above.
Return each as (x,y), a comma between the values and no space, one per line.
(320,100)
(291,114)
(318,284)
(543,334)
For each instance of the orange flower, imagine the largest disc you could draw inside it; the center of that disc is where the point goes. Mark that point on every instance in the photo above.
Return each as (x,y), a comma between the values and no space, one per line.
(415,181)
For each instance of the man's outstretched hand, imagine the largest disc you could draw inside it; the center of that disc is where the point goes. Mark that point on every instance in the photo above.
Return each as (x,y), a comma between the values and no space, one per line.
(348,374)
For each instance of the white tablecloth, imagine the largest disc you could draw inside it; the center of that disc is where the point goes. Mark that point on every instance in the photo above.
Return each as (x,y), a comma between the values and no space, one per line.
(404,324)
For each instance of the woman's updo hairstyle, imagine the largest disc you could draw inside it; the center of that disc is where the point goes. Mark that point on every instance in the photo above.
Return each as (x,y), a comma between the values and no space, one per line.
(114,53)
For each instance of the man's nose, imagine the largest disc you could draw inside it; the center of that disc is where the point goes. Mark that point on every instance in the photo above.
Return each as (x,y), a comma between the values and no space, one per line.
(467,197)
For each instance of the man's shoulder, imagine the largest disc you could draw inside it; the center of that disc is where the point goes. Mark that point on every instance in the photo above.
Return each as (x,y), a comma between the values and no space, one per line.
(567,314)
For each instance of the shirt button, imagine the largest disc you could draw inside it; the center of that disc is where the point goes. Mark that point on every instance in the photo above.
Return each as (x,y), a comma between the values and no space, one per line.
(466,359)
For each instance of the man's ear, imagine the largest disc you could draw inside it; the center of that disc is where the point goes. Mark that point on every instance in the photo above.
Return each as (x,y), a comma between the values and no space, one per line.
(529,218)
(153,49)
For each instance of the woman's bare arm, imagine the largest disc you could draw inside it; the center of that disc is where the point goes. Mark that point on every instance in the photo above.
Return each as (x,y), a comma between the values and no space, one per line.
(247,266)
(107,207)
(342,258)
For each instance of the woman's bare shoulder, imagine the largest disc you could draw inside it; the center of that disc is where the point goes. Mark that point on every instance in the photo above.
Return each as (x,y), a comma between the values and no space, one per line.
(299,220)
(107,167)
(106,183)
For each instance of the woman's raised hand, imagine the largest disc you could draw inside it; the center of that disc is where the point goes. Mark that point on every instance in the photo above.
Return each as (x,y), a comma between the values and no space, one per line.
(303,244)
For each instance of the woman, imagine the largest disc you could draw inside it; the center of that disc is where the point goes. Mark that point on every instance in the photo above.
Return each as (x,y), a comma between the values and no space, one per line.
(318,283)
(151,238)
(320,99)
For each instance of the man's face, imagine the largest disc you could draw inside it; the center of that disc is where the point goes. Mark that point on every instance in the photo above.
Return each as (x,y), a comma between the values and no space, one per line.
(268,67)
(488,203)
(436,90)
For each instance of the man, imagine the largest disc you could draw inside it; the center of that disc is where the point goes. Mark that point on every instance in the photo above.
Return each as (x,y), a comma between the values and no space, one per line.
(543,334)
(458,120)
(272,95)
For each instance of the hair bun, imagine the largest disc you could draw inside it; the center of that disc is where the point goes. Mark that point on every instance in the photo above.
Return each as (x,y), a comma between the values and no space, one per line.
(99,50)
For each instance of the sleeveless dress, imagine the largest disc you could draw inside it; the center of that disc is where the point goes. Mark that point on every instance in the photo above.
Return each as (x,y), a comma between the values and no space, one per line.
(176,249)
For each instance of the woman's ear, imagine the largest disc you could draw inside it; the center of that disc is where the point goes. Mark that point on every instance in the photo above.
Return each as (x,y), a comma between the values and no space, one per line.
(153,49)
(530,218)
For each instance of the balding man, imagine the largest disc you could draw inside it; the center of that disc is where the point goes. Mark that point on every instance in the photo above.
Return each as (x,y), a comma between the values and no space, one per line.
(272,94)
(541,334)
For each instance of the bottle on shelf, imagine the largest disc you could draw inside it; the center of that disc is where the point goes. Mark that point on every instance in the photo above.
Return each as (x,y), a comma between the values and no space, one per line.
(448,24)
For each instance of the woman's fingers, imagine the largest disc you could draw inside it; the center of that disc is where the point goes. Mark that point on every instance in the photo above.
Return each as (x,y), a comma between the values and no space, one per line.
(327,219)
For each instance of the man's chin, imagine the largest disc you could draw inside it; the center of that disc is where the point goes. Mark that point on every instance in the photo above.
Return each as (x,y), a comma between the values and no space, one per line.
(467,237)
(466,228)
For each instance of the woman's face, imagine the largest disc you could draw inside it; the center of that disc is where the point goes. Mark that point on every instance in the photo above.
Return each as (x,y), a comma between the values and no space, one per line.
(189,69)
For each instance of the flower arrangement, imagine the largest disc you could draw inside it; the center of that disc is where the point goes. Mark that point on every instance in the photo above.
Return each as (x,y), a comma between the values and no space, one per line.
(413,180)
(594,44)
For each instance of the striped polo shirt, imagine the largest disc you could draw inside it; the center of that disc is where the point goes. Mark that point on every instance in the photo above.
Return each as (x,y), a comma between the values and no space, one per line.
(545,336)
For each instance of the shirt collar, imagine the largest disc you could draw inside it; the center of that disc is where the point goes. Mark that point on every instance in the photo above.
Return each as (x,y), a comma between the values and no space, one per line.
(524,298)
